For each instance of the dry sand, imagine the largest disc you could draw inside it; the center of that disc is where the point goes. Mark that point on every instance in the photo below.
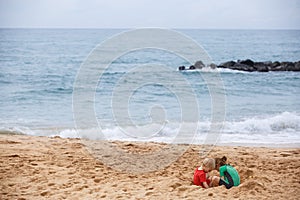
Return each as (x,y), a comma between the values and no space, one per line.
(56,168)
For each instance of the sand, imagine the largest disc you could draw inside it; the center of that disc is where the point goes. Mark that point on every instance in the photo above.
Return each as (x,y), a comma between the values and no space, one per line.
(55,168)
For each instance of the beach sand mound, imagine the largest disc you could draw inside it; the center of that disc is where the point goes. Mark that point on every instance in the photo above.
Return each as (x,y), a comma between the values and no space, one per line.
(56,168)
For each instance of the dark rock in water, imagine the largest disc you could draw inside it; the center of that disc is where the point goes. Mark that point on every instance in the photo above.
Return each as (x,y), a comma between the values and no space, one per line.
(274,66)
(247,62)
(261,67)
(199,65)
(192,67)
(297,66)
(181,68)
(287,66)
(249,66)
(212,66)
(242,67)
(278,68)
(290,67)
(228,64)
(268,63)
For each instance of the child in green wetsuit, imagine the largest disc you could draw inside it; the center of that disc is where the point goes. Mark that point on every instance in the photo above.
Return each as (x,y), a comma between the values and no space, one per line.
(229,177)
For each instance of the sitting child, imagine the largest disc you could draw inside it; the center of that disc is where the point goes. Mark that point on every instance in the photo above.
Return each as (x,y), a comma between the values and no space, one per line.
(201,177)
(229,175)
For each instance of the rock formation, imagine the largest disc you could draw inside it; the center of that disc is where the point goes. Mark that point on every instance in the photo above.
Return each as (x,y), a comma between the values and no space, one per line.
(249,66)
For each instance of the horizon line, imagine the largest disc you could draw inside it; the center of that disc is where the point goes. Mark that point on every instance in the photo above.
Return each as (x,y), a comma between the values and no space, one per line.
(130,28)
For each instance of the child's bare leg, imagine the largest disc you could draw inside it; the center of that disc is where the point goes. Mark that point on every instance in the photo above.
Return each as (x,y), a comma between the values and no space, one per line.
(215,181)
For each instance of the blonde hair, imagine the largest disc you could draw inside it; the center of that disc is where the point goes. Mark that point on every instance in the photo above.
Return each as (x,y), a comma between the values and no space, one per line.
(209,162)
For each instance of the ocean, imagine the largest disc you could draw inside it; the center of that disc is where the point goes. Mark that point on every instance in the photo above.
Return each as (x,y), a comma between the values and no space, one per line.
(39,69)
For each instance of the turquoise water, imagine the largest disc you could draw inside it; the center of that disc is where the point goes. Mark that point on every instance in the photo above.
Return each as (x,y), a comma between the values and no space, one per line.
(38,68)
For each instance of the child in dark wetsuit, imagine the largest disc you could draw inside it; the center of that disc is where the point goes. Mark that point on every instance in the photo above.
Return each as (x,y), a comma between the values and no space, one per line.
(229,177)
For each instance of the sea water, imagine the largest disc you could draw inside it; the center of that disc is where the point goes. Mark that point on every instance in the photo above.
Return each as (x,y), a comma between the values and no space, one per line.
(38,69)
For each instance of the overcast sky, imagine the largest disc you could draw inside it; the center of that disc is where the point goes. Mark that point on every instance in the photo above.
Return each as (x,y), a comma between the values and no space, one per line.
(220,14)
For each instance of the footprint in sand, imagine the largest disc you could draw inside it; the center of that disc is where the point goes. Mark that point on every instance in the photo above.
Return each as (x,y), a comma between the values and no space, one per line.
(45,193)
(175,185)
(97,180)
(149,193)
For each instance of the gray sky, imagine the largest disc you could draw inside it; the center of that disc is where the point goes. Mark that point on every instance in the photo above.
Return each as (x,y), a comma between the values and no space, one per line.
(220,14)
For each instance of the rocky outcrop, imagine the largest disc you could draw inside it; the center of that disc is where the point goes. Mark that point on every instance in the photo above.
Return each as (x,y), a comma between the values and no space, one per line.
(199,65)
(249,66)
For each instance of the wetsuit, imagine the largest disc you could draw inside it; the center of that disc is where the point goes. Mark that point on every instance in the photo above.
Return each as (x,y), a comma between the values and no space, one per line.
(231,176)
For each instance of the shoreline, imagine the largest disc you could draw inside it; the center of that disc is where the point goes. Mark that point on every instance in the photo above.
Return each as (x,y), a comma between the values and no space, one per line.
(225,144)
(262,145)
(35,167)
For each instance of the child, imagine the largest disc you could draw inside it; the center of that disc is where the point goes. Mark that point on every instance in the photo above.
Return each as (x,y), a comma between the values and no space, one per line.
(200,174)
(229,175)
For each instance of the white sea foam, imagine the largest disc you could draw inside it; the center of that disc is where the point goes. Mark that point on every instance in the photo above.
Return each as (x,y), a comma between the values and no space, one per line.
(283,128)
(216,70)
(284,122)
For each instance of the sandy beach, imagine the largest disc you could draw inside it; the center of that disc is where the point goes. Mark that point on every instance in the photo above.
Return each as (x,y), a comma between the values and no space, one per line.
(56,168)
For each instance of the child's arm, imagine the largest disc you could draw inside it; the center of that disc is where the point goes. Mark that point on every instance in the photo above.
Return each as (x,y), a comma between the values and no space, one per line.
(210,180)
(205,185)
